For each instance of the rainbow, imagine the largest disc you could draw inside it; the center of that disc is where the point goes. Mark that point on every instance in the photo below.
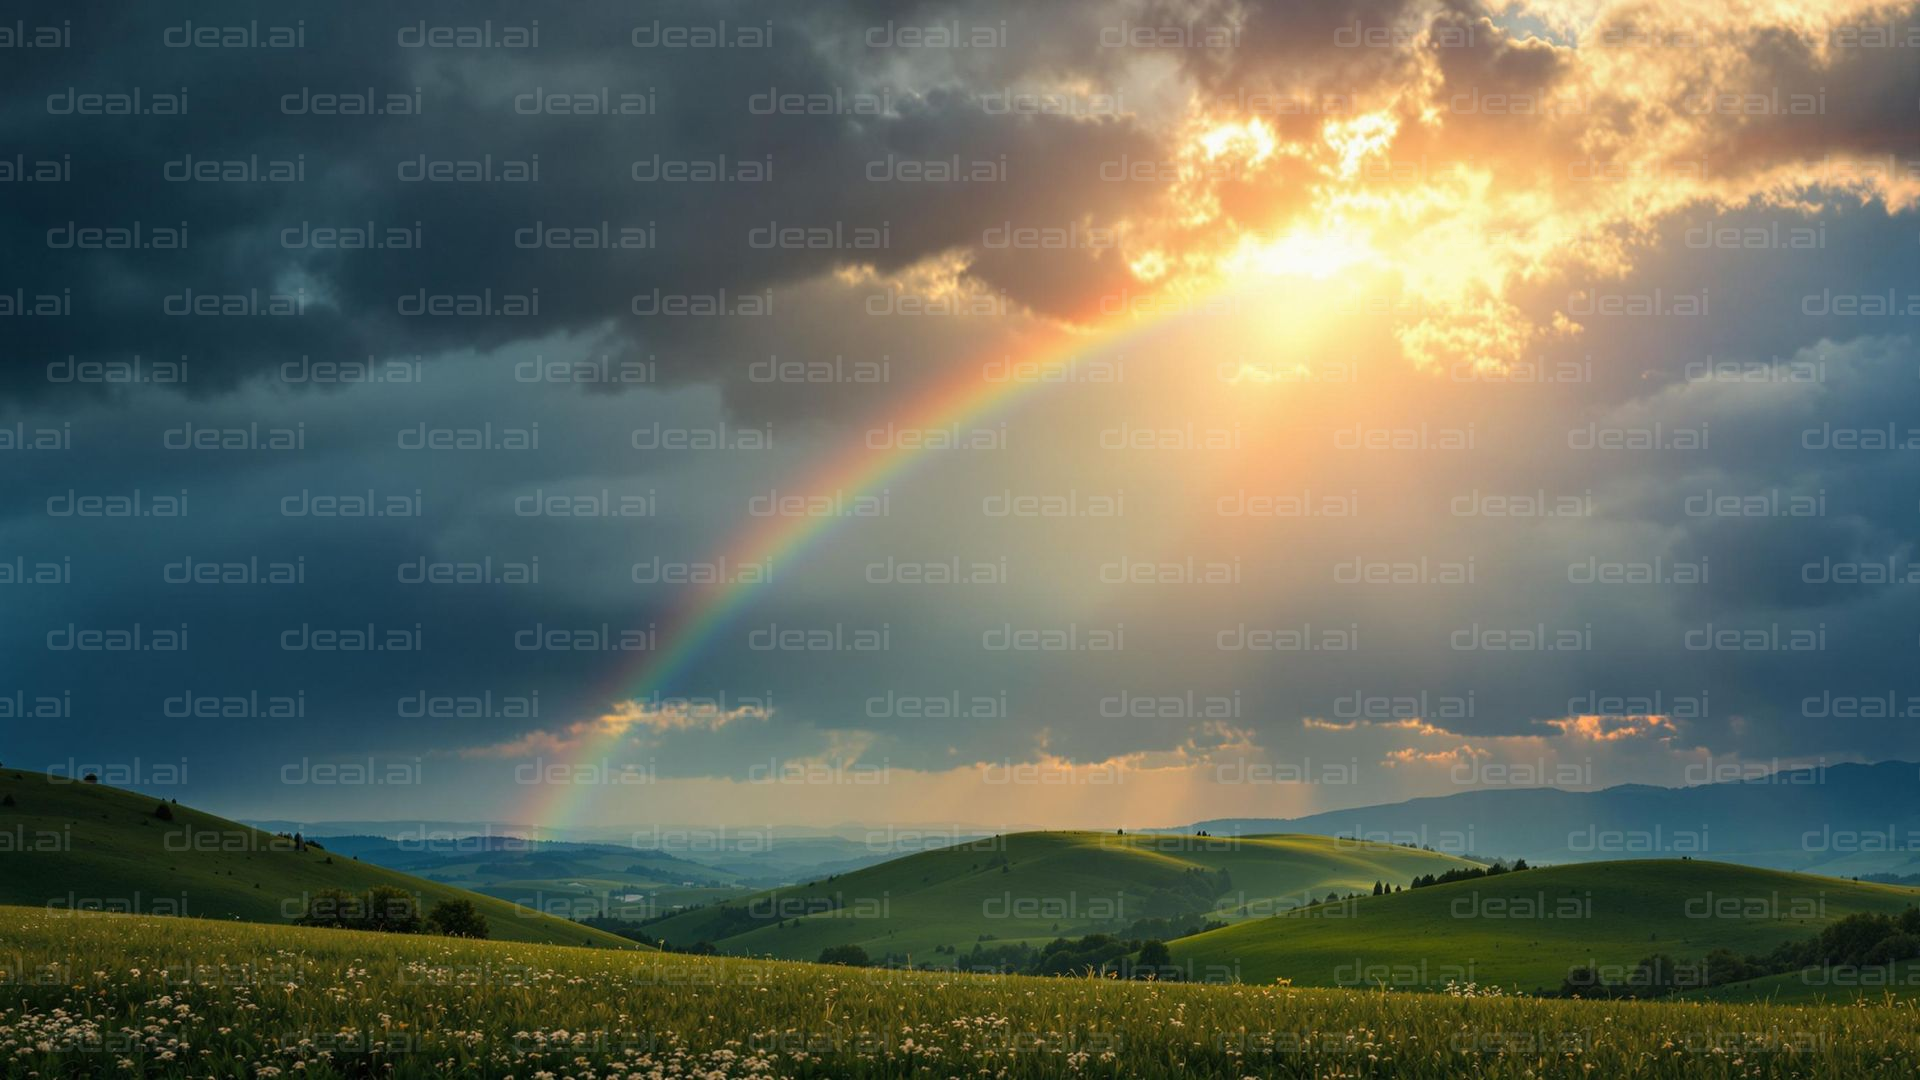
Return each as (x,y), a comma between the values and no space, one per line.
(857,471)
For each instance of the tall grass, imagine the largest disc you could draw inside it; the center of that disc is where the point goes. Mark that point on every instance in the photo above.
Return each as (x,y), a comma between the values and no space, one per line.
(113,995)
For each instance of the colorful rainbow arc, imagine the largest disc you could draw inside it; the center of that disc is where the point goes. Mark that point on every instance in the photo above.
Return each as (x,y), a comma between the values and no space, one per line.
(783,540)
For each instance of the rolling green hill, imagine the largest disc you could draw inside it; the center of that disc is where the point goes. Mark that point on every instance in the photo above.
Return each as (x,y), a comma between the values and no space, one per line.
(1034,887)
(1527,930)
(86,846)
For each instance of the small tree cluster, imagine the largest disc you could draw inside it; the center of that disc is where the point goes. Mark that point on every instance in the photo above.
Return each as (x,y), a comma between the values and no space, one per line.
(845,955)
(384,908)
(457,918)
(1466,873)
(391,910)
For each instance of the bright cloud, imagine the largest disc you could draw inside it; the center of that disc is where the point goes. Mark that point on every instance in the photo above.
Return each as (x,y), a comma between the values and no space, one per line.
(629,722)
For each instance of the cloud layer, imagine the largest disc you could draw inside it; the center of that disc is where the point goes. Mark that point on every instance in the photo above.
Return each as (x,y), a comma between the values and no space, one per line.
(1462,387)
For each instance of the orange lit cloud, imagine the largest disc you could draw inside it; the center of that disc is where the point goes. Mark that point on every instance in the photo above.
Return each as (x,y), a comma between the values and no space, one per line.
(1458,755)
(1413,724)
(629,719)
(1615,728)
(1460,172)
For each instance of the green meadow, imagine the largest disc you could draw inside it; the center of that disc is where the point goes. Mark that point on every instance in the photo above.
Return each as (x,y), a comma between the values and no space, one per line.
(116,995)
(1527,930)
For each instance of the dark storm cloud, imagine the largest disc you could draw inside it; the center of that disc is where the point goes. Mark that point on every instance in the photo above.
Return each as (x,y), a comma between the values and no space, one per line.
(1282,46)
(847,141)
(1810,469)
(840,171)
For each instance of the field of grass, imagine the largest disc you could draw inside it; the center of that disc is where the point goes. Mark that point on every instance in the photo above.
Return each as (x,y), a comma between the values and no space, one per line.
(98,995)
(1527,930)
(86,846)
(1037,886)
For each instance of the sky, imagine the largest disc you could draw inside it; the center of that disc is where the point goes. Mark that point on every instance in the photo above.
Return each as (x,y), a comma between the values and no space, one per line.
(1081,414)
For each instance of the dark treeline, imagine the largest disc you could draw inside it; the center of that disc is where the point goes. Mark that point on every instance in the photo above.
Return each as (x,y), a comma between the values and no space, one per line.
(1467,873)
(1138,951)
(1857,941)
(392,910)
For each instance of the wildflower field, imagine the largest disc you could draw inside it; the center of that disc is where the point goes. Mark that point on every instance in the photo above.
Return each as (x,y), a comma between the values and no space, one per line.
(118,995)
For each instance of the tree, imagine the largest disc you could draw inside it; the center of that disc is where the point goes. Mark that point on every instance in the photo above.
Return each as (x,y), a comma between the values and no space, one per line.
(1846,943)
(457,918)
(1656,975)
(8,801)
(392,909)
(1724,966)
(336,908)
(1892,949)
(1379,888)
(845,955)
(1154,954)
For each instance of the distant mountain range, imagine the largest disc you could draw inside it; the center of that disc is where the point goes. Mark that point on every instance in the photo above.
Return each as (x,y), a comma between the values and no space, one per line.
(1843,820)
(1840,820)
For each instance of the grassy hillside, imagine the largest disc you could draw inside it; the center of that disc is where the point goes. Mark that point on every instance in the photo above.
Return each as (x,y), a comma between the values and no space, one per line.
(1527,930)
(1038,886)
(1814,986)
(93,995)
(76,845)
